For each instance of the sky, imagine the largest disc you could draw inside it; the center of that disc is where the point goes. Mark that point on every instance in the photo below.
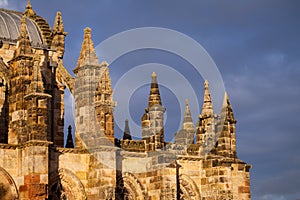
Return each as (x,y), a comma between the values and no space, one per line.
(255,47)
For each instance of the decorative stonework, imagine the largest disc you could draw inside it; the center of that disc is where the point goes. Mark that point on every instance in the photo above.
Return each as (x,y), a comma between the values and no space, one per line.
(65,185)
(130,188)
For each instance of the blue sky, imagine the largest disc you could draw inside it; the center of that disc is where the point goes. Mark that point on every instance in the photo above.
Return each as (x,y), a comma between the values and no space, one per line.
(255,45)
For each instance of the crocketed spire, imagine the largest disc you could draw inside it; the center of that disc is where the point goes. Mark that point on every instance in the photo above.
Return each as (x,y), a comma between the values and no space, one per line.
(207,107)
(88,55)
(58,24)
(154,97)
(127,135)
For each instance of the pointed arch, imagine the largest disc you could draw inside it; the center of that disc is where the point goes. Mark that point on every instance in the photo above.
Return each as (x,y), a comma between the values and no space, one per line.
(188,188)
(66,185)
(130,188)
(8,188)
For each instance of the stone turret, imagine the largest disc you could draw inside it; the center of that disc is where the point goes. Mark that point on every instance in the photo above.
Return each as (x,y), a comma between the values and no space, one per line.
(93,97)
(127,135)
(227,139)
(153,119)
(85,87)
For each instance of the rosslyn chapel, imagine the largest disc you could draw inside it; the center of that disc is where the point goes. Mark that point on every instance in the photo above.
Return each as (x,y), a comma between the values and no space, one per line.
(37,163)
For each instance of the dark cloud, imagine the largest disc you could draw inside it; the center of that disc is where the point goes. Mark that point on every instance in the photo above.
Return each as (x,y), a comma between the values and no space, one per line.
(255,45)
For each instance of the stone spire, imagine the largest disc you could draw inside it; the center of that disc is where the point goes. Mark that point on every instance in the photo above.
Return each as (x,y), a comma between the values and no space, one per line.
(186,134)
(70,143)
(88,55)
(154,97)
(58,34)
(58,24)
(127,135)
(227,110)
(153,119)
(207,107)
(187,114)
(23,44)
(188,124)
(226,145)
(29,11)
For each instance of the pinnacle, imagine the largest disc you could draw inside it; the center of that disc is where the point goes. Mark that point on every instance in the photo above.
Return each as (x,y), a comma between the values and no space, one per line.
(23,29)
(226,109)
(23,45)
(36,84)
(187,115)
(127,135)
(154,97)
(29,11)
(207,107)
(58,24)
(87,54)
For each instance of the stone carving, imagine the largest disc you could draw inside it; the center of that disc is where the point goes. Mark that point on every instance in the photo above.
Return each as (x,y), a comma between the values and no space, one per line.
(65,185)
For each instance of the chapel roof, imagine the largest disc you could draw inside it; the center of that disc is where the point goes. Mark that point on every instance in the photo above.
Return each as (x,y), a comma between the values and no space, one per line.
(10,23)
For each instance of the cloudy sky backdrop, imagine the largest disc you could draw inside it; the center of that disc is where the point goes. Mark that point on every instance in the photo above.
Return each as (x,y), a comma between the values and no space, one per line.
(255,45)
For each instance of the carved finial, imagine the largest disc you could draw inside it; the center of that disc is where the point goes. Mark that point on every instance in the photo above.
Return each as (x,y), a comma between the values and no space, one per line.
(154,97)
(29,12)
(186,102)
(207,107)
(87,54)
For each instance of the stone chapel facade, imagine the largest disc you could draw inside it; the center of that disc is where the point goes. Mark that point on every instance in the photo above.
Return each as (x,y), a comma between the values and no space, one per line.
(35,164)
